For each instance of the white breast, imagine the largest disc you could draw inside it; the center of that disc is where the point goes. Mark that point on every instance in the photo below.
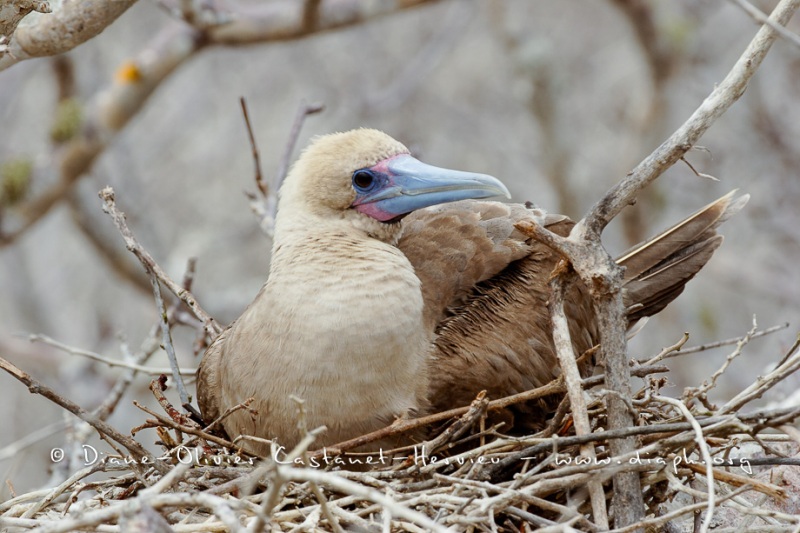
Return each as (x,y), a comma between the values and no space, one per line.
(339,325)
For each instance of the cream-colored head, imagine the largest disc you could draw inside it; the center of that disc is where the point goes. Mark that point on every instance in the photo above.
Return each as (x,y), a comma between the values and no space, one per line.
(320,182)
(365,179)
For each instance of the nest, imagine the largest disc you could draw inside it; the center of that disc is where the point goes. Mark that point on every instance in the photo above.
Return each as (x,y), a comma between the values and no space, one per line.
(719,465)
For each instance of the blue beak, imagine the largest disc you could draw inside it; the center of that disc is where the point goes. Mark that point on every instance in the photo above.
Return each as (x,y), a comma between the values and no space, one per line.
(402,184)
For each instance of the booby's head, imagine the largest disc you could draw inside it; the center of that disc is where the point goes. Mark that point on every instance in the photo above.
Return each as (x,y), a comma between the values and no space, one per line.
(370,179)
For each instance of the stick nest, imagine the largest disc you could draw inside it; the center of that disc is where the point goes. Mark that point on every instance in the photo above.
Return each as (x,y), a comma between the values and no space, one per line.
(717,465)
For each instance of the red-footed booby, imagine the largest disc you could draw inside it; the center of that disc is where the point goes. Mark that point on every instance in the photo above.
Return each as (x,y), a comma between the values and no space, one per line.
(394,291)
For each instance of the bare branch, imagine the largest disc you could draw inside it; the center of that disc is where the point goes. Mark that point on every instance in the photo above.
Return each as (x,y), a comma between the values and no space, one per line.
(299,119)
(51,33)
(716,344)
(166,338)
(572,376)
(13,11)
(150,265)
(721,98)
(603,277)
(701,443)
(262,187)
(102,359)
(136,450)
(265,203)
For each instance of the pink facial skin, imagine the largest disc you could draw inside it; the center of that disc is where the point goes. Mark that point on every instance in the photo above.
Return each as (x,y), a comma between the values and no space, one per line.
(372,210)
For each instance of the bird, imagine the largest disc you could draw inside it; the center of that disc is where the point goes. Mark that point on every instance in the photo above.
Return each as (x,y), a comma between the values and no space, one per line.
(398,289)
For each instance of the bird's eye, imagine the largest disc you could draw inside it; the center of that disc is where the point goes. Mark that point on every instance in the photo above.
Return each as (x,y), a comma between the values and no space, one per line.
(363,179)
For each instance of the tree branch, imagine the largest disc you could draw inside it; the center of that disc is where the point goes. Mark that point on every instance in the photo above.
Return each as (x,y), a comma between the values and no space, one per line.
(49,33)
(13,11)
(721,98)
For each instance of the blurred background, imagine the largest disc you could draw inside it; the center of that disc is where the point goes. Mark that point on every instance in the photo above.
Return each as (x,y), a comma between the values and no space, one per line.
(558,99)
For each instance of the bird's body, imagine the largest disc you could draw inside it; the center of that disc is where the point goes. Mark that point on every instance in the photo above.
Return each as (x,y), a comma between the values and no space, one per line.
(367,317)
(356,356)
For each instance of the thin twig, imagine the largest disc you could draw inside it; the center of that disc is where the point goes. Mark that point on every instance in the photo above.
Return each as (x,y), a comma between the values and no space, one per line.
(166,339)
(150,265)
(701,444)
(262,187)
(762,18)
(153,371)
(303,112)
(726,342)
(139,453)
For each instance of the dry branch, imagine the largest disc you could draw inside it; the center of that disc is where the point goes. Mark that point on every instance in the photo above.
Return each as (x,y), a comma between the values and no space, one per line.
(49,33)
(150,265)
(12,12)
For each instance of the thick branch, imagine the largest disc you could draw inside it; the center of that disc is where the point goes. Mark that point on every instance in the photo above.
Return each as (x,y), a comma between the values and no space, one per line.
(567,360)
(603,277)
(13,11)
(49,34)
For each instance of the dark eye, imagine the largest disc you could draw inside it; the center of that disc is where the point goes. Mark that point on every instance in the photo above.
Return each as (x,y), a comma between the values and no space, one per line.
(363,179)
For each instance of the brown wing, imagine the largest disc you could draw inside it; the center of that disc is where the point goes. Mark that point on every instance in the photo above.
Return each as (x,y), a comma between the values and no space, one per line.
(488,295)
(485,289)
(500,339)
(455,246)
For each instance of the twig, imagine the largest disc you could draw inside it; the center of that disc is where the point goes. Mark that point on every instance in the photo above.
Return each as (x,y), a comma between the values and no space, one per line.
(761,385)
(299,119)
(60,489)
(166,338)
(696,172)
(345,486)
(668,350)
(791,351)
(140,454)
(701,444)
(476,410)
(572,377)
(265,206)
(154,371)
(150,265)
(726,342)
(186,429)
(147,348)
(262,187)
(403,426)
(762,18)
(244,405)
(700,392)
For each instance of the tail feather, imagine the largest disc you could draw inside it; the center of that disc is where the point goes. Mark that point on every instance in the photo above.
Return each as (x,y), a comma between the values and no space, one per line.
(658,269)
